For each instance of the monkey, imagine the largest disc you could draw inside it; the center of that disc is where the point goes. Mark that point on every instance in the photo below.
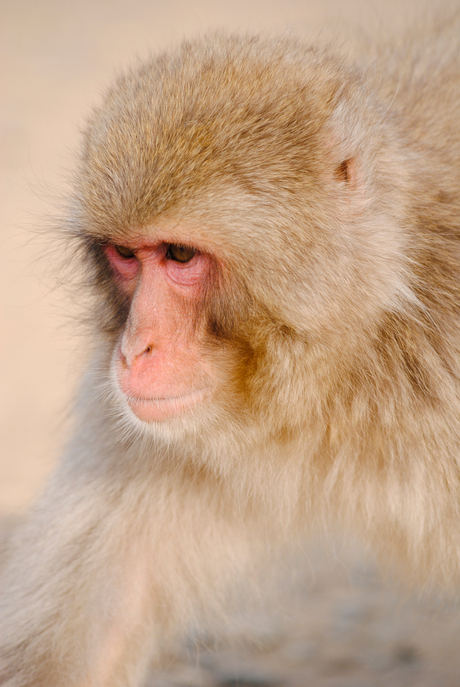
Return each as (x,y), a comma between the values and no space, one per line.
(271,241)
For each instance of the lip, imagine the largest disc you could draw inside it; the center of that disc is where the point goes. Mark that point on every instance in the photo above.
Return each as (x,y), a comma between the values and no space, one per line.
(156,409)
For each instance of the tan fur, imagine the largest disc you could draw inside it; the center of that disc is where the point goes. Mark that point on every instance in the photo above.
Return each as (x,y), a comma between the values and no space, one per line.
(331,196)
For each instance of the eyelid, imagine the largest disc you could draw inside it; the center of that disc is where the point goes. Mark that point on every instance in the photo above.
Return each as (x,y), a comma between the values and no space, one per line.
(124,267)
(120,250)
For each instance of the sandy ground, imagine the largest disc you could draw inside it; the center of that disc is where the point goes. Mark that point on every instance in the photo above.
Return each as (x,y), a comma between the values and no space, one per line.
(56,57)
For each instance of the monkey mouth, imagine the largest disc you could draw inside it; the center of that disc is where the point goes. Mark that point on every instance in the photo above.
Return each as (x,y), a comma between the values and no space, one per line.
(159,408)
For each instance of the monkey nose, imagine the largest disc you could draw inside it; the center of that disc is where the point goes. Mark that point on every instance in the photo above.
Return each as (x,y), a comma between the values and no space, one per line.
(129,355)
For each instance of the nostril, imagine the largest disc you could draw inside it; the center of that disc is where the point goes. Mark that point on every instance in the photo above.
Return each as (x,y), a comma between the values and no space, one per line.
(128,355)
(147,351)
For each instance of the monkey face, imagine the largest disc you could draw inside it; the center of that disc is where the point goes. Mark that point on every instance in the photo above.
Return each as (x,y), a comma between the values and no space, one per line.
(158,362)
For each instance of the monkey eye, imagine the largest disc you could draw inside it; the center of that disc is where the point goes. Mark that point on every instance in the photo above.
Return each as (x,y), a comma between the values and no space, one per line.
(125,252)
(179,253)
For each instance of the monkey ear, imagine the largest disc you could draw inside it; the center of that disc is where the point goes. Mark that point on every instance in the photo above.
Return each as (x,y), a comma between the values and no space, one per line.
(345,172)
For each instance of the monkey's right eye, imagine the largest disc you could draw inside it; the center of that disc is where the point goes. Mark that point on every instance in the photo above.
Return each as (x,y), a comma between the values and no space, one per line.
(125,252)
(180,253)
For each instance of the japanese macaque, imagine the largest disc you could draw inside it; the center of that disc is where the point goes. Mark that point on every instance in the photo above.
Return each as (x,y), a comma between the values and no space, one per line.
(272,239)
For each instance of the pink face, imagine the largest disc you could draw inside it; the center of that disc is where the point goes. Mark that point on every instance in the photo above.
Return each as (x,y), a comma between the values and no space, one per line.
(159,363)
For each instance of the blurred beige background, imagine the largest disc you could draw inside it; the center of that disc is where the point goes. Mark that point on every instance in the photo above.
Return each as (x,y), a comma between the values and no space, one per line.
(56,56)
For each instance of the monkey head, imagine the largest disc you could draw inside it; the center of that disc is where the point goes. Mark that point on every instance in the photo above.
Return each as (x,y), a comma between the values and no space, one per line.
(227,212)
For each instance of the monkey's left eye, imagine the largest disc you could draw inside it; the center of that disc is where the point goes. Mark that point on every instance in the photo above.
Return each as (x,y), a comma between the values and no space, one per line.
(125,252)
(179,253)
